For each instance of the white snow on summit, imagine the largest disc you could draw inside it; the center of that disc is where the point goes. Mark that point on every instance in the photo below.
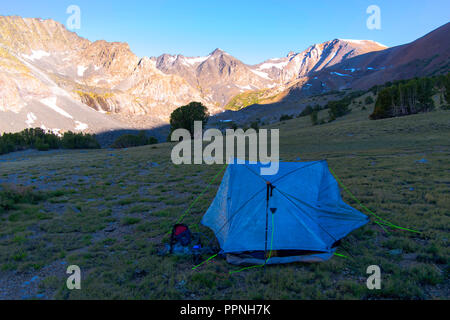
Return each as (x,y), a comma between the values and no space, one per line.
(268,65)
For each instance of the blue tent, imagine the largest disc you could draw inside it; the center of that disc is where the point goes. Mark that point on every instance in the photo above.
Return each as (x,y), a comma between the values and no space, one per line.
(296,215)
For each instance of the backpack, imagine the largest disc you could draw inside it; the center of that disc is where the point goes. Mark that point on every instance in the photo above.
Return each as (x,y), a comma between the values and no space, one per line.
(180,234)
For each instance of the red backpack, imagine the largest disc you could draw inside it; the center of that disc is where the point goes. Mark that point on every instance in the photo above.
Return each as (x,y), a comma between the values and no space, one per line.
(180,234)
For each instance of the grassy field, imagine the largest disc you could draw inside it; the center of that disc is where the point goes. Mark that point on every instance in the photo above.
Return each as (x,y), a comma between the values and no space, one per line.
(108,212)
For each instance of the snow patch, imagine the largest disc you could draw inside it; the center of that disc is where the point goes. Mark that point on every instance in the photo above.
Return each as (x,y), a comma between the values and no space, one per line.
(81,70)
(363,42)
(51,103)
(192,61)
(55,131)
(340,74)
(80,126)
(278,65)
(171,59)
(261,74)
(354,41)
(247,87)
(36,55)
(31,118)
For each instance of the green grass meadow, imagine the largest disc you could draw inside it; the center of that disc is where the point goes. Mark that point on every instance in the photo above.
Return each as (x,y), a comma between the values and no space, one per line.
(109,211)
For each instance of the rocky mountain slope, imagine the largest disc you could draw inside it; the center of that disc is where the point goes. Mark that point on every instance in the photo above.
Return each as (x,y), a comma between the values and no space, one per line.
(426,56)
(47,73)
(315,58)
(220,77)
(52,78)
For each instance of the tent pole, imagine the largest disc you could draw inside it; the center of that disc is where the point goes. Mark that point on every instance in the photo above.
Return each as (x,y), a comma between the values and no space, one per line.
(267,223)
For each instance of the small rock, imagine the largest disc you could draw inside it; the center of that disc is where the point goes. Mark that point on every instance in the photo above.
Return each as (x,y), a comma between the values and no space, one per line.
(110,228)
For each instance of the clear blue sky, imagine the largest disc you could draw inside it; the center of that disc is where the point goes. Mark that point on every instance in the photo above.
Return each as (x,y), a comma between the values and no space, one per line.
(251,30)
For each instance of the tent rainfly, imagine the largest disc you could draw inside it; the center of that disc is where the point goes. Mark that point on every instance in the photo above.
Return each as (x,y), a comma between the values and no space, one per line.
(296,215)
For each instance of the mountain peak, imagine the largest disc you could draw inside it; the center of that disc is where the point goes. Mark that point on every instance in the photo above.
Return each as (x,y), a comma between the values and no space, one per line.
(362,42)
(290,54)
(217,51)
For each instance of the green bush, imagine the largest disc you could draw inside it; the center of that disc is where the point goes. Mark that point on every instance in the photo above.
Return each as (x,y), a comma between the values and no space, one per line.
(255,125)
(309,109)
(41,140)
(72,140)
(131,140)
(11,195)
(338,108)
(286,117)
(184,117)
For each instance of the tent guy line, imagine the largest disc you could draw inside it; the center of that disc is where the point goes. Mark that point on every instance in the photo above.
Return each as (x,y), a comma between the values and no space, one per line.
(382,221)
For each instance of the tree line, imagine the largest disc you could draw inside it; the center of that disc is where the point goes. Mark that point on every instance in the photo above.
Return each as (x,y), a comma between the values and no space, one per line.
(37,138)
(405,97)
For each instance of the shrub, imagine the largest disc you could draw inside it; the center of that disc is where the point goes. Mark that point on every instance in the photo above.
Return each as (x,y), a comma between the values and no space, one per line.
(255,125)
(286,117)
(131,140)
(338,108)
(184,117)
(309,109)
(72,140)
(11,195)
(41,145)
